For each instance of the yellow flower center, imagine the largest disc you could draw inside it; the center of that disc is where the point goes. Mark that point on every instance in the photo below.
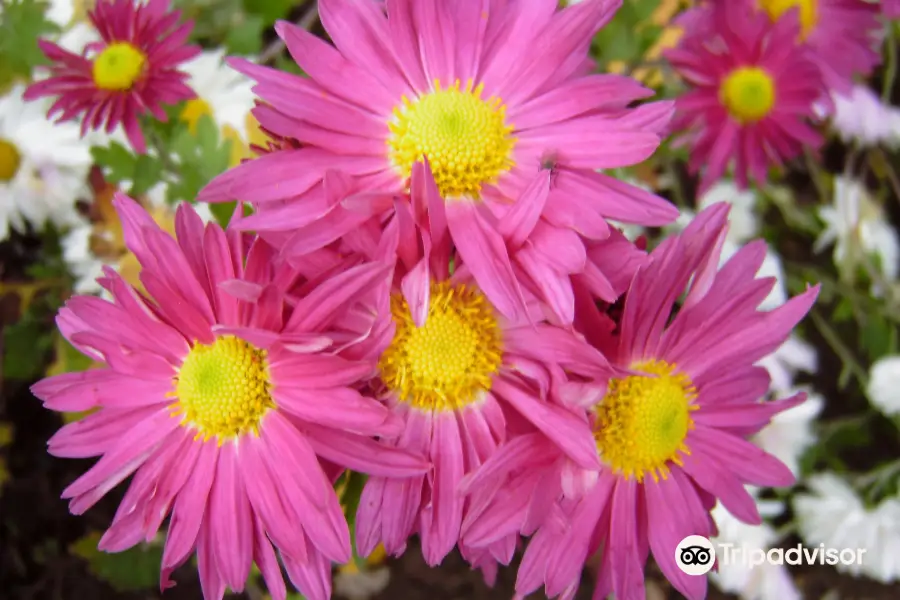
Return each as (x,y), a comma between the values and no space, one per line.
(118,67)
(465,138)
(642,421)
(809,12)
(448,362)
(10,160)
(223,389)
(748,94)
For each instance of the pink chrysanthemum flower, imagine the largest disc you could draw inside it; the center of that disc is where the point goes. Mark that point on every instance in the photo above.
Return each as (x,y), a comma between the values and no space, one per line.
(672,434)
(891,8)
(457,373)
(223,390)
(133,70)
(490,94)
(752,92)
(843,35)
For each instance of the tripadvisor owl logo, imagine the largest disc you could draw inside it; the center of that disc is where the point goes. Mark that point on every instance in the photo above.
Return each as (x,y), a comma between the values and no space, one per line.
(695,555)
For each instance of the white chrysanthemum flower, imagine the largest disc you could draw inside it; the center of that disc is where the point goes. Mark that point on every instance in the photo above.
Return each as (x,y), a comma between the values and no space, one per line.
(361,585)
(761,582)
(790,433)
(834,515)
(792,356)
(743,221)
(83,264)
(43,166)
(861,116)
(884,384)
(854,223)
(77,246)
(223,93)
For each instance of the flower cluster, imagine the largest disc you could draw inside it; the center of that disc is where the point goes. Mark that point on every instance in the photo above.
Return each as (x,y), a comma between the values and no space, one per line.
(761,73)
(425,280)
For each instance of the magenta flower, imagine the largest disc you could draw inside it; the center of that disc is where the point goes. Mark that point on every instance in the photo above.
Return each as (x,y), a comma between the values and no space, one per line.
(844,35)
(494,95)
(131,72)
(224,388)
(461,376)
(891,8)
(671,434)
(752,94)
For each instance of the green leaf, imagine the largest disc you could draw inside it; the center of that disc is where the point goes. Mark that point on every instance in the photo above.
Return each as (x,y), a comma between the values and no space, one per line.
(351,487)
(246,37)
(201,156)
(876,336)
(22,22)
(147,172)
(67,359)
(134,569)
(222,211)
(25,347)
(117,161)
(269,10)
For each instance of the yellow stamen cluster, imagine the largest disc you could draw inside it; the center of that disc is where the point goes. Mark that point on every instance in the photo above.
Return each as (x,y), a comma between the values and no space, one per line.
(10,160)
(809,12)
(642,422)
(448,362)
(118,67)
(748,94)
(466,139)
(223,389)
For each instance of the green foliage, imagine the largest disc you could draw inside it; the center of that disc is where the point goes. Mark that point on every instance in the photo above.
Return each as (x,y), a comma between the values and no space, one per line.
(199,158)
(245,38)
(269,10)
(629,35)
(134,569)
(350,487)
(22,22)
(184,160)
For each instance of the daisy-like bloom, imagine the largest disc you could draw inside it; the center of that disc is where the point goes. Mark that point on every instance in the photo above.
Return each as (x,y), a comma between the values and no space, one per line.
(758,582)
(752,93)
(833,514)
(793,356)
(223,94)
(790,433)
(884,384)
(860,116)
(43,169)
(457,372)
(671,435)
(224,386)
(133,69)
(844,35)
(490,94)
(858,227)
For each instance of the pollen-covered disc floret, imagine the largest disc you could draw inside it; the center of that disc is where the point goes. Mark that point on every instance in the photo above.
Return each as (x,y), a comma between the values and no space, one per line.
(452,358)
(223,389)
(642,422)
(118,67)
(10,159)
(465,138)
(748,94)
